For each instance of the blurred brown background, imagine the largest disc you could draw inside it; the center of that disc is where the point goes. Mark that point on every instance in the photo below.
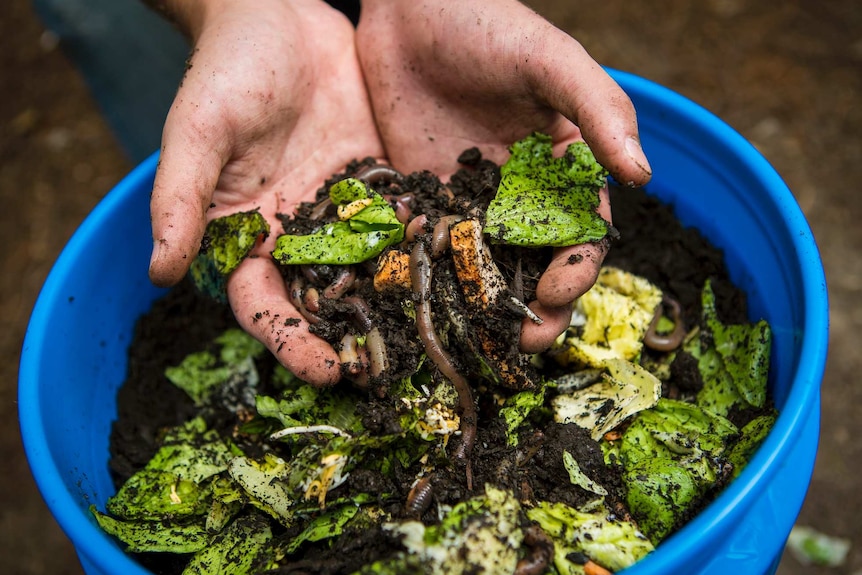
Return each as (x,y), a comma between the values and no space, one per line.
(787,75)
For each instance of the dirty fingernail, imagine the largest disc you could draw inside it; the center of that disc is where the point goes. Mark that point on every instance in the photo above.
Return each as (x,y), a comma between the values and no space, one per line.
(636,154)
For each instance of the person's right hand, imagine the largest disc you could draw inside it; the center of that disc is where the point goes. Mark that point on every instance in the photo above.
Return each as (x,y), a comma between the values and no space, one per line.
(272,104)
(446,76)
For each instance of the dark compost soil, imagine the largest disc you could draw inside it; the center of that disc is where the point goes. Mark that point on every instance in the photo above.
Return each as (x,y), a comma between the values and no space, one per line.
(651,243)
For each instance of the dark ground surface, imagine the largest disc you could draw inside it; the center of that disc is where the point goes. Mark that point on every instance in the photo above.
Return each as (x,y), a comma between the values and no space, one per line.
(787,75)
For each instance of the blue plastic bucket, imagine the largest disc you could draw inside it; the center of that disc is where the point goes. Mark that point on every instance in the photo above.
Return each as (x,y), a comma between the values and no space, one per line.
(74,355)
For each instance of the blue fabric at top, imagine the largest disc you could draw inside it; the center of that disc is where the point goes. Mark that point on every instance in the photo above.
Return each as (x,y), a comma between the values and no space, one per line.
(131,59)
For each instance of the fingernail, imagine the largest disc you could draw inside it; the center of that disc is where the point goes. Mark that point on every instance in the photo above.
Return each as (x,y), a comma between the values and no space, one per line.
(636,153)
(156,255)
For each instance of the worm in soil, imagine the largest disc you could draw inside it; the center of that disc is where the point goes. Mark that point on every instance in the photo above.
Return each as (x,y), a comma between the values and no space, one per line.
(342,283)
(671,341)
(541,550)
(420,276)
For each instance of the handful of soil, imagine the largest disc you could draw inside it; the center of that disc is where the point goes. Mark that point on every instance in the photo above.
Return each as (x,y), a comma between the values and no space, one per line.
(452,451)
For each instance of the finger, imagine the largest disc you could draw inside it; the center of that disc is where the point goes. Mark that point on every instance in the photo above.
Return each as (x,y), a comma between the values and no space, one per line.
(574,84)
(536,337)
(258,297)
(573,270)
(194,151)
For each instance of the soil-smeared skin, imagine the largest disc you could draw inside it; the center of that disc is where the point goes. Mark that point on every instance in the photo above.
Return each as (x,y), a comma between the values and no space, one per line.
(652,243)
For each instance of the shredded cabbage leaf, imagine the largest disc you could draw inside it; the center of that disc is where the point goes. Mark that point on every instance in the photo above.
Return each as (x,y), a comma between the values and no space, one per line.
(603,537)
(610,319)
(202,374)
(733,360)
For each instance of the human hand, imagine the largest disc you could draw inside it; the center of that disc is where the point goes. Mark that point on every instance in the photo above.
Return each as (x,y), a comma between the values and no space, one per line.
(272,104)
(446,76)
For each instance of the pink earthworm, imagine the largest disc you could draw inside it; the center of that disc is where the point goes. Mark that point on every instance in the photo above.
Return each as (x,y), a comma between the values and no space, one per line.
(294,295)
(403,212)
(671,341)
(349,354)
(311,300)
(342,283)
(377,173)
(378,360)
(420,276)
(440,235)
(361,311)
(310,273)
(419,498)
(415,228)
(319,209)
(541,551)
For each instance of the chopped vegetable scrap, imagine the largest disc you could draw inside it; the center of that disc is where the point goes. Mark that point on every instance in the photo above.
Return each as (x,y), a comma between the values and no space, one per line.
(227,241)
(812,547)
(452,452)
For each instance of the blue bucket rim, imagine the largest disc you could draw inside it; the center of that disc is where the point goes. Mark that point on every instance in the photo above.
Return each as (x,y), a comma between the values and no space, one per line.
(77,523)
(93,544)
(731,504)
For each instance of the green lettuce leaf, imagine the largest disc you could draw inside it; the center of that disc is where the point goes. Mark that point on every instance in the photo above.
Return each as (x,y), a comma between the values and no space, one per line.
(231,239)
(174,482)
(202,373)
(609,541)
(518,408)
(750,438)
(547,201)
(358,237)
(672,456)
(265,484)
(154,536)
(327,525)
(733,360)
(241,549)
(483,530)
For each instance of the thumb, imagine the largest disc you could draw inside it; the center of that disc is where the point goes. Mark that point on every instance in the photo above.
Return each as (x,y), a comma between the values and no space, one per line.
(572,83)
(191,161)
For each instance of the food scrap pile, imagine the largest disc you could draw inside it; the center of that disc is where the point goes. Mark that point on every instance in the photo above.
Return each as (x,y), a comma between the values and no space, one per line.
(446,449)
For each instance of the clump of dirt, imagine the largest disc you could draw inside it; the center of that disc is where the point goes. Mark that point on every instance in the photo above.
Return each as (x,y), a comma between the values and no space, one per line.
(651,243)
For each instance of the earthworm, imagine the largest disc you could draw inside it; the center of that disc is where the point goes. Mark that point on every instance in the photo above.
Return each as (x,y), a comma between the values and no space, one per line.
(671,341)
(311,300)
(407,198)
(419,498)
(310,273)
(541,550)
(420,277)
(294,294)
(377,173)
(349,354)
(378,360)
(402,210)
(361,312)
(319,210)
(342,282)
(414,228)
(440,235)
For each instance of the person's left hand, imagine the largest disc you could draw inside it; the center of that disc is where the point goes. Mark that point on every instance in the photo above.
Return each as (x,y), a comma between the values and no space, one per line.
(446,76)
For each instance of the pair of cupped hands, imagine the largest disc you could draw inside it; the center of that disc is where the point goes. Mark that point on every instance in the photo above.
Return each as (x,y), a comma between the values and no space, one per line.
(279,95)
